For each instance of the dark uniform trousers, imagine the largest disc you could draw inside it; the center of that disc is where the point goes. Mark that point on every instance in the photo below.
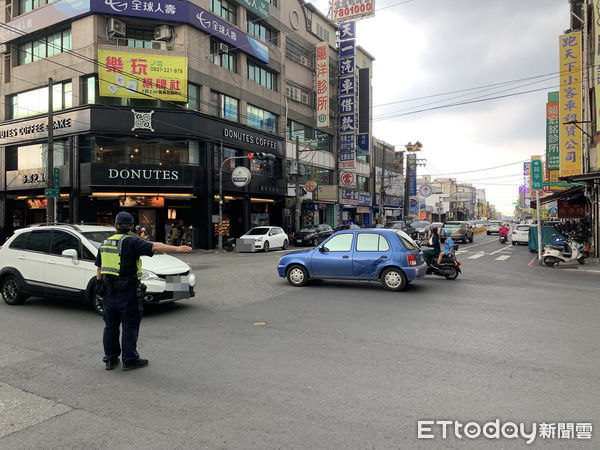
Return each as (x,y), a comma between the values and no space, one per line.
(121,306)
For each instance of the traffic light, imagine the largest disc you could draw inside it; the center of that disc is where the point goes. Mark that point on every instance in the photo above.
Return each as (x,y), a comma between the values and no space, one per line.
(262,156)
(250,155)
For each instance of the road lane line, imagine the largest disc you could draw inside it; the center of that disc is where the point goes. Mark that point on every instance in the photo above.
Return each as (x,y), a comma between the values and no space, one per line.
(502,258)
(502,249)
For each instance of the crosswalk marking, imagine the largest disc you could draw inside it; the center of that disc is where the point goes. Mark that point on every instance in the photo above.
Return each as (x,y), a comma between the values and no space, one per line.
(502,258)
(476,256)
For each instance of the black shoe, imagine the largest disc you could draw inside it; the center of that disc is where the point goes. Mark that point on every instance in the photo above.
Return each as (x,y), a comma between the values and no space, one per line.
(110,365)
(135,364)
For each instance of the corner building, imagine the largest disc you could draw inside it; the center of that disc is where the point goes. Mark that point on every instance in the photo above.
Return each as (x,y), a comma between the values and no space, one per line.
(148,99)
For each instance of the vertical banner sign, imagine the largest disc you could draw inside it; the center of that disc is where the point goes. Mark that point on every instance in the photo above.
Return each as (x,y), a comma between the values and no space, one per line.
(552,132)
(537,176)
(342,10)
(411,160)
(596,59)
(570,104)
(347,92)
(322,84)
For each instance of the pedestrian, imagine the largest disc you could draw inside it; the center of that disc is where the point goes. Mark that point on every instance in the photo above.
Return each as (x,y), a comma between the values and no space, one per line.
(175,235)
(138,230)
(143,234)
(118,275)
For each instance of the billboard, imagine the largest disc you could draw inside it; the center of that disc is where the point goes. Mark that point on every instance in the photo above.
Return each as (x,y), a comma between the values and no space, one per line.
(411,161)
(322,72)
(139,75)
(344,10)
(552,132)
(570,104)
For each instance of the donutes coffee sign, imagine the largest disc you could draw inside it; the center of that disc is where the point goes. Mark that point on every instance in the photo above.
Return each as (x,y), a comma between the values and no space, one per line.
(142,175)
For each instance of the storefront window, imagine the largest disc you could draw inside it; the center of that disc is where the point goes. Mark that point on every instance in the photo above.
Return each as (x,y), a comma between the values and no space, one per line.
(34,156)
(140,151)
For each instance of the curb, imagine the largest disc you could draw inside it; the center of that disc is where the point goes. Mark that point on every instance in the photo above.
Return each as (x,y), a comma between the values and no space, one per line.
(589,272)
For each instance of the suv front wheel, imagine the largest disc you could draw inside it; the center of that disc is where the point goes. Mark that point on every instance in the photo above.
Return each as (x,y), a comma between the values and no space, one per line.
(12,292)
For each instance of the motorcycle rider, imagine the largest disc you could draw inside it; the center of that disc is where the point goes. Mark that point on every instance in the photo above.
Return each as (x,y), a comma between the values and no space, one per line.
(434,242)
(448,247)
(503,231)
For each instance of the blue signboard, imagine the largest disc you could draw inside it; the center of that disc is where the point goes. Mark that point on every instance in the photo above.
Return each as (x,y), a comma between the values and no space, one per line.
(347,156)
(363,142)
(350,197)
(347,105)
(346,66)
(347,123)
(347,142)
(347,30)
(411,160)
(347,48)
(347,85)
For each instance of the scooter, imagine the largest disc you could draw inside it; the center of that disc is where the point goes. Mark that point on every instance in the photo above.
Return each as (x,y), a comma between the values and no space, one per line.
(229,244)
(555,254)
(449,268)
(502,238)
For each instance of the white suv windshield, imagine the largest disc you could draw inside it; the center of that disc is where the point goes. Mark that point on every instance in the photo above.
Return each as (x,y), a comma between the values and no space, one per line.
(97,237)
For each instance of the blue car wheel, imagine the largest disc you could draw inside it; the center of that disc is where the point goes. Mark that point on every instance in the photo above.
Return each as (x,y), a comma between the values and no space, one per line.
(393,279)
(297,275)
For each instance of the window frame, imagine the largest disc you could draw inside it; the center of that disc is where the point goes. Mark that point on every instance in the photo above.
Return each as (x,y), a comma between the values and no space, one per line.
(337,236)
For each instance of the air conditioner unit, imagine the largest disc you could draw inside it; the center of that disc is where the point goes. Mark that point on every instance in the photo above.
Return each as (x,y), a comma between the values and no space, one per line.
(3,48)
(116,28)
(163,33)
(159,45)
(304,60)
(223,48)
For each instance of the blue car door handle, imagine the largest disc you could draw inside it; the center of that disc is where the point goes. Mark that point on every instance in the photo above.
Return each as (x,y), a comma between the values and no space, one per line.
(383,257)
(345,256)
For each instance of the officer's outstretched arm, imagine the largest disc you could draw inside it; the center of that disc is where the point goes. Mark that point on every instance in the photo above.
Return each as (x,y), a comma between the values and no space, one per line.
(159,247)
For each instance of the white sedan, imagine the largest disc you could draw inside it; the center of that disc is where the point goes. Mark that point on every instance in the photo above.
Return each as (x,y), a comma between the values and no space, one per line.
(265,238)
(520,235)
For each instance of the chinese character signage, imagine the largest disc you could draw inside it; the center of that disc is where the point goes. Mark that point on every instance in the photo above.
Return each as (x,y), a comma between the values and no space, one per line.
(347,48)
(363,142)
(346,66)
(552,132)
(139,75)
(537,176)
(347,123)
(260,7)
(347,30)
(348,86)
(322,70)
(347,179)
(347,160)
(347,105)
(411,161)
(343,10)
(570,104)
(347,142)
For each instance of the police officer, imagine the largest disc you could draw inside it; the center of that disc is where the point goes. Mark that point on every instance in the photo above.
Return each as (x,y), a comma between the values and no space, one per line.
(119,271)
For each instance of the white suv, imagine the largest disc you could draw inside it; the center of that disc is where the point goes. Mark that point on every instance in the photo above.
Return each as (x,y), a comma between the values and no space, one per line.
(58,261)
(494,226)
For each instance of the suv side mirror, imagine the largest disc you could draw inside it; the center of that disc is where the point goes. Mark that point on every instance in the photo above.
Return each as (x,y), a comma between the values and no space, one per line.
(71,253)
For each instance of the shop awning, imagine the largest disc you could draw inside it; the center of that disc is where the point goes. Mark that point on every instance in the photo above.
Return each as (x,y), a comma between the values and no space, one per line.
(591,176)
(566,194)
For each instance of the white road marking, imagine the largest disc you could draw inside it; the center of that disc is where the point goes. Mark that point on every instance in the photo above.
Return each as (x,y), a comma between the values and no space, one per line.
(476,256)
(502,258)
(502,249)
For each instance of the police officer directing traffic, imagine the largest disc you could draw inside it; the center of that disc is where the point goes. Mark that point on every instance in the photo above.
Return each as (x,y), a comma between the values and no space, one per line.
(119,271)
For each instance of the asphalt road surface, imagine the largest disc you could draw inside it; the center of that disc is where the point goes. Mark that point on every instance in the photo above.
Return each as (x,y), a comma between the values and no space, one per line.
(253,363)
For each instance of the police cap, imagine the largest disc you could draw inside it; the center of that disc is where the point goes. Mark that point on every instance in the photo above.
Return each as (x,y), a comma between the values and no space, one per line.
(124,218)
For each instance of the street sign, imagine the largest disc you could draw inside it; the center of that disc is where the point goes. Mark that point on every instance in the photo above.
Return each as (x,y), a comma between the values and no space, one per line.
(425,190)
(241,176)
(310,186)
(537,175)
(56,178)
(51,193)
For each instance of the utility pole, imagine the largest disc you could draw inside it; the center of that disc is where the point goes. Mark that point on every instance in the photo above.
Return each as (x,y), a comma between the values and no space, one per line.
(297,178)
(382,189)
(406,186)
(220,246)
(50,202)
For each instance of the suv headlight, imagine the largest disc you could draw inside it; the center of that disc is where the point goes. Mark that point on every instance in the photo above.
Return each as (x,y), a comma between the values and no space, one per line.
(149,275)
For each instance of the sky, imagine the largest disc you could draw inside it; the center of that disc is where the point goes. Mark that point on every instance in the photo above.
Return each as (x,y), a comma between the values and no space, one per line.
(423,48)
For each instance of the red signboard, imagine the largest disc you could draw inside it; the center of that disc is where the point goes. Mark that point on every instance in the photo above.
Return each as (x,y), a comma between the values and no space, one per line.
(568,210)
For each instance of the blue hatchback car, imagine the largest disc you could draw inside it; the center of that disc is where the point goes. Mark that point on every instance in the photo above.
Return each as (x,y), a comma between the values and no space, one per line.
(375,254)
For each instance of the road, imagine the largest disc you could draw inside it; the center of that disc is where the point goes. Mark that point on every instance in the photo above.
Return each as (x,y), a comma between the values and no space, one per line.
(253,363)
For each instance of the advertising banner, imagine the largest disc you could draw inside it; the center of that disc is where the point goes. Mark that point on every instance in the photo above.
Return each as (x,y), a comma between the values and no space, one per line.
(29,130)
(322,70)
(348,30)
(347,179)
(347,160)
(552,131)
(570,109)
(596,58)
(139,75)
(537,173)
(411,160)
(343,10)
(347,142)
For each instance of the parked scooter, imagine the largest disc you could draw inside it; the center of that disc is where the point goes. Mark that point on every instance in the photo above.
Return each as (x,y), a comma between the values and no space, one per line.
(570,251)
(449,268)
(229,244)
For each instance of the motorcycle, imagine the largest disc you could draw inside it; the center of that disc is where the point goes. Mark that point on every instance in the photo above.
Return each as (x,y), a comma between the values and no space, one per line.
(229,244)
(571,251)
(449,268)
(502,238)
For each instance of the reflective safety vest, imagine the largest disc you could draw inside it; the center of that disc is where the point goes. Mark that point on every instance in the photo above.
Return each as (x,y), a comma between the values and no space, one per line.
(110,254)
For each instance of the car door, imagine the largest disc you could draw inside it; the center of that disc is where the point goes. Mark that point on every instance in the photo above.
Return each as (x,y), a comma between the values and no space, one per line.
(32,259)
(333,259)
(63,272)
(277,237)
(372,252)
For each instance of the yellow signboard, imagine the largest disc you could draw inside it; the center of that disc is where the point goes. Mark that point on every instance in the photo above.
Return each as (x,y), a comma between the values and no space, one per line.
(142,75)
(570,104)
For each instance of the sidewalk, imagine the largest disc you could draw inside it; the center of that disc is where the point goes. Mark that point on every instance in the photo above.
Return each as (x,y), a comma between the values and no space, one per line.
(592,265)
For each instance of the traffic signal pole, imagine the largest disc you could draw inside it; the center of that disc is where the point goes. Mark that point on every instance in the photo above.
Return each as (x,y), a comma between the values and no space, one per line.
(50,202)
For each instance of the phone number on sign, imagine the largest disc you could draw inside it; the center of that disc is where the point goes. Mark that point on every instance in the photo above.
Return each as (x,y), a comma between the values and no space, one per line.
(356,9)
(166,70)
